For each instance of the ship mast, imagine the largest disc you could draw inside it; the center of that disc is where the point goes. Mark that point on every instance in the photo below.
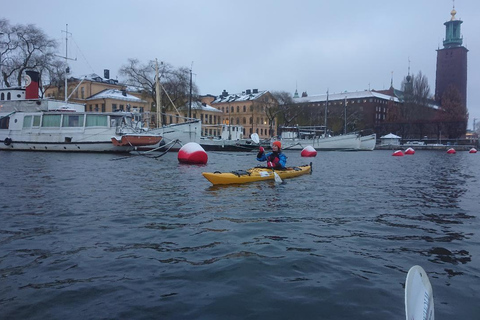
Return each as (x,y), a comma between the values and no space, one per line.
(67,69)
(158,95)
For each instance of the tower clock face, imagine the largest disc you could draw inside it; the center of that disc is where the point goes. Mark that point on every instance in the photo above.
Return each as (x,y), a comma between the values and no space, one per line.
(28,80)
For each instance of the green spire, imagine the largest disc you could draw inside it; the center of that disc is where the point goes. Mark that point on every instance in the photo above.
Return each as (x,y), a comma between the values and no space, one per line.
(453,37)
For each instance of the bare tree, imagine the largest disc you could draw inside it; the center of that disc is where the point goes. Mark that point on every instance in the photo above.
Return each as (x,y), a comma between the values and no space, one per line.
(24,47)
(175,82)
(289,111)
(268,103)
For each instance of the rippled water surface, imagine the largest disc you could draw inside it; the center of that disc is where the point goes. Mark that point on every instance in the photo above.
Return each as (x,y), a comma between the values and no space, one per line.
(98,236)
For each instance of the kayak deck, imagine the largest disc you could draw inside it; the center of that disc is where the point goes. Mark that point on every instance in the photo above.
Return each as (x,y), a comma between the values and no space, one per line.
(255,174)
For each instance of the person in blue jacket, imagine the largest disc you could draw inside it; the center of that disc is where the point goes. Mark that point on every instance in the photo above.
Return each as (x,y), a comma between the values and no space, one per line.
(275,159)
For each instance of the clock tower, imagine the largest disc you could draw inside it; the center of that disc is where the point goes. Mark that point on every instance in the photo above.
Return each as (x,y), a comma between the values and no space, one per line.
(452,62)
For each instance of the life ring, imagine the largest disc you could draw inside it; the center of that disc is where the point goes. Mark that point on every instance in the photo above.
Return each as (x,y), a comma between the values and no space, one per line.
(7,141)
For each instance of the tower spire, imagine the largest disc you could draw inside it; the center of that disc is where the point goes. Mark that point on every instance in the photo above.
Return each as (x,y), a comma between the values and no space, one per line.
(453,37)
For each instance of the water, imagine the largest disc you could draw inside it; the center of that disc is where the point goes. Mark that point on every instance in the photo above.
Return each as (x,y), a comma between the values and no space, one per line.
(85,236)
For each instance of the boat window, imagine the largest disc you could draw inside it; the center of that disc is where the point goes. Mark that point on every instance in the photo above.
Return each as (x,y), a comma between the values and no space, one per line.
(27,121)
(94,120)
(36,121)
(51,120)
(72,120)
(4,122)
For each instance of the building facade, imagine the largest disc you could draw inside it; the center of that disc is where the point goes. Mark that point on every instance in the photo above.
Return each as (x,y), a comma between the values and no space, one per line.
(252,109)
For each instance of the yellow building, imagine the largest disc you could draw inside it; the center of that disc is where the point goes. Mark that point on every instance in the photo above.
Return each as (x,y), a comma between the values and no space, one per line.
(211,117)
(251,109)
(98,94)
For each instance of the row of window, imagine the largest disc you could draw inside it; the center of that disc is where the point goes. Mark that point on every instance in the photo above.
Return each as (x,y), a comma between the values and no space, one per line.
(342,102)
(9,96)
(231,109)
(65,121)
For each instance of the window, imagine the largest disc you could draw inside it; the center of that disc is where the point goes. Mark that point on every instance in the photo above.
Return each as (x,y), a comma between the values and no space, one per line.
(82,92)
(9,96)
(36,121)
(244,108)
(114,107)
(51,120)
(27,121)
(238,108)
(232,109)
(94,120)
(103,107)
(2,96)
(72,121)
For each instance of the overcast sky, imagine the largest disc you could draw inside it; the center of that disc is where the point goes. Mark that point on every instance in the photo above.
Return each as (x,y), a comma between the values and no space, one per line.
(275,45)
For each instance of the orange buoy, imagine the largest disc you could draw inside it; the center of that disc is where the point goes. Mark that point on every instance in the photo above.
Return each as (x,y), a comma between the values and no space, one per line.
(309,151)
(410,151)
(451,151)
(473,150)
(192,153)
(398,153)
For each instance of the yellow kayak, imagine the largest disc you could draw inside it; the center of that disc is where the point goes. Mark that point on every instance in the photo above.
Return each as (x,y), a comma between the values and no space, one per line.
(255,174)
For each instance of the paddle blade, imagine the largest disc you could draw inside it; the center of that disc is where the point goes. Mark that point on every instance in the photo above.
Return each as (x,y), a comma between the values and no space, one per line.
(277,177)
(255,138)
(418,295)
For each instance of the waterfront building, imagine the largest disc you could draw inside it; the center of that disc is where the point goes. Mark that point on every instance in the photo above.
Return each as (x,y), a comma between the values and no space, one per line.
(255,110)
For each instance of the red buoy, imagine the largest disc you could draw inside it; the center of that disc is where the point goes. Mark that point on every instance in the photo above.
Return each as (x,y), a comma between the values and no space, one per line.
(398,153)
(473,150)
(192,153)
(309,151)
(451,151)
(410,151)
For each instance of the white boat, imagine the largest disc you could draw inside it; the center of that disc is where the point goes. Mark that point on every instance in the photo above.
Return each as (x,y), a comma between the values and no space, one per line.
(39,125)
(28,123)
(298,137)
(367,143)
(231,139)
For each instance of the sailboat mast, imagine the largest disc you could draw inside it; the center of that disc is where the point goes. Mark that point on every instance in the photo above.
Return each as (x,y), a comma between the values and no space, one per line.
(326,111)
(66,61)
(158,95)
(345,107)
(190,98)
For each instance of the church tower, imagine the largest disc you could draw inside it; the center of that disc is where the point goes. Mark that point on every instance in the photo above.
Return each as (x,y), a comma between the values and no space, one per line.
(452,61)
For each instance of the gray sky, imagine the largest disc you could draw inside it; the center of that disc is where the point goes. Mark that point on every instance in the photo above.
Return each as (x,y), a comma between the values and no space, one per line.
(276,45)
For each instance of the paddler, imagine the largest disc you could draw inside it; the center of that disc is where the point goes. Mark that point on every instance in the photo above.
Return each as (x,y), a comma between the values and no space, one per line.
(275,159)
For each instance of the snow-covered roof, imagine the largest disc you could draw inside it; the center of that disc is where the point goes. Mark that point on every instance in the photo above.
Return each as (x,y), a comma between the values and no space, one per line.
(115,94)
(348,95)
(96,78)
(197,105)
(390,136)
(244,96)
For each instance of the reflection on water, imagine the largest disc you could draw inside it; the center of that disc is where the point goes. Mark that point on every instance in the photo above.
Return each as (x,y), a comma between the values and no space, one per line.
(86,237)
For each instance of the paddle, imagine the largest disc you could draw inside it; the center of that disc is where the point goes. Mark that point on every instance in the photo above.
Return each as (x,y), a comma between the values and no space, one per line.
(255,138)
(418,295)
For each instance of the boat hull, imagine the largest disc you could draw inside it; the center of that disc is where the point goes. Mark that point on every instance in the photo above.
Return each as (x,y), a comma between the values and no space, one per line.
(367,143)
(346,142)
(136,140)
(99,146)
(255,174)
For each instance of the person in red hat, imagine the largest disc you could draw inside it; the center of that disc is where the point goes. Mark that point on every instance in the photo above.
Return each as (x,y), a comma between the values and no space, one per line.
(275,159)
